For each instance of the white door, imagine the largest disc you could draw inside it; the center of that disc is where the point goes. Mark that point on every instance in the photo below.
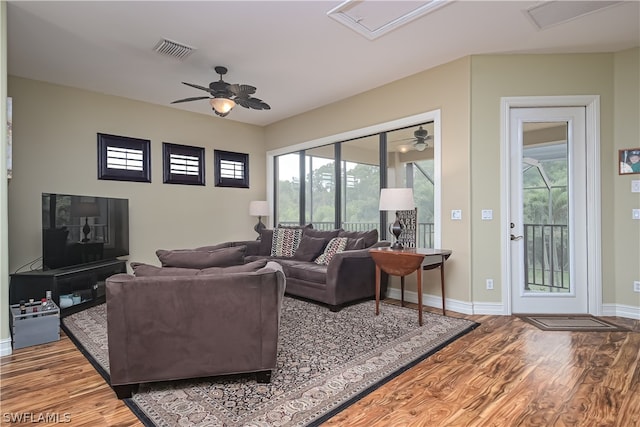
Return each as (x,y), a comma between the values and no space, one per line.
(548,210)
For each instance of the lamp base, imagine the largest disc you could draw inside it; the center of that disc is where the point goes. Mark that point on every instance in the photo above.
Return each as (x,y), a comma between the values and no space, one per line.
(397,246)
(396,230)
(259,227)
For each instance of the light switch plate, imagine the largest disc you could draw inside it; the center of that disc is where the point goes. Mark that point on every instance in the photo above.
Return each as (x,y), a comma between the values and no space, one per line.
(635,186)
(487,214)
(456,214)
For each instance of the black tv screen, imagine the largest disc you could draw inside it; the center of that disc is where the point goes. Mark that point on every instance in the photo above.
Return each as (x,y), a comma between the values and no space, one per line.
(83,229)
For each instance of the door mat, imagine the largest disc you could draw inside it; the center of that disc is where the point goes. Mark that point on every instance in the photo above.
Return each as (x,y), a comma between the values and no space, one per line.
(584,323)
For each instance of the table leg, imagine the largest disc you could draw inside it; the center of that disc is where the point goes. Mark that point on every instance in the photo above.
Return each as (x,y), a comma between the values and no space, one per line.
(419,273)
(444,312)
(402,291)
(377,289)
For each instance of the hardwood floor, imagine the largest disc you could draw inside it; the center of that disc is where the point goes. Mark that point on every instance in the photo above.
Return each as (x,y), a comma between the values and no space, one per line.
(504,373)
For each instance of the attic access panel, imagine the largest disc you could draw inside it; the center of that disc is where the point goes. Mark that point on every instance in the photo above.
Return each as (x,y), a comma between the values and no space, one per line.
(373,19)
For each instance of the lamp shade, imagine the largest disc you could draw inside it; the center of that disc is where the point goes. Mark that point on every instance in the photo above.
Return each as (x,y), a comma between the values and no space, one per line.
(85,209)
(259,208)
(396,199)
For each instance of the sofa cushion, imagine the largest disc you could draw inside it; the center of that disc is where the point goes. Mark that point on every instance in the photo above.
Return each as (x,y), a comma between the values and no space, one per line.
(244,268)
(309,248)
(266,238)
(354,244)
(324,234)
(141,269)
(202,259)
(214,247)
(370,237)
(285,241)
(335,245)
(306,271)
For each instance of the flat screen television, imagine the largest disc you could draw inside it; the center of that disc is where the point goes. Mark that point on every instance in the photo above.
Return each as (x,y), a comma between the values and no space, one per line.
(83,229)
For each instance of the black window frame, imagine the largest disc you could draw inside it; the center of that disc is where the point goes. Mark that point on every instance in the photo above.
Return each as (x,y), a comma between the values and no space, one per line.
(105,141)
(170,149)
(221,156)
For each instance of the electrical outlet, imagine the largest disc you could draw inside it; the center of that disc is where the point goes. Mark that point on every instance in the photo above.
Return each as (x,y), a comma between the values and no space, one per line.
(635,186)
(490,284)
(636,286)
(635,213)
(456,214)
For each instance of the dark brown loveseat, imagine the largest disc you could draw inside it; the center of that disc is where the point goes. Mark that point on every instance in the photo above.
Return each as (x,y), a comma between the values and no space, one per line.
(184,325)
(348,276)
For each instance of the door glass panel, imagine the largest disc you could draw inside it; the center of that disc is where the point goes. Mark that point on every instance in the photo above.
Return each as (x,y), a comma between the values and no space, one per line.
(360,171)
(320,187)
(545,196)
(288,189)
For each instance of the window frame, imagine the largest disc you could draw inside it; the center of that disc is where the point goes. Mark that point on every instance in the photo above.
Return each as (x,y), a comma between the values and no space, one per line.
(169,149)
(221,156)
(104,172)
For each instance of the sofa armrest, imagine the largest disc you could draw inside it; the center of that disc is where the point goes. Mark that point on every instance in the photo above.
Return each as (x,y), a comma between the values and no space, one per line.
(352,275)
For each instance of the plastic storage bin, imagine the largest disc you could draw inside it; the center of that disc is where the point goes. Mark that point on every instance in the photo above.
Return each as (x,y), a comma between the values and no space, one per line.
(34,328)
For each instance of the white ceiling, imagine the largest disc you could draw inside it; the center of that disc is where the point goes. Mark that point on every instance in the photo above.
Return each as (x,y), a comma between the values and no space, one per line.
(298,57)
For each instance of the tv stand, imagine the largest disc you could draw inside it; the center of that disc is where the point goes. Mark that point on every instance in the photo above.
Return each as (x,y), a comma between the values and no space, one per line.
(86,282)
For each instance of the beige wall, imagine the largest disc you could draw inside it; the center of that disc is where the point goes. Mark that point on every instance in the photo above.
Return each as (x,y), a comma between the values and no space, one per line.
(445,88)
(55,150)
(499,76)
(626,134)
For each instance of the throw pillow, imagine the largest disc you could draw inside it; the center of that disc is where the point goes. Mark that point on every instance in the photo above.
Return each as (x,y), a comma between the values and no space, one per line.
(214,247)
(266,237)
(370,237)
(324,234)
(244,268)
(285,241)
(335,245)
(309,248)
(141,269)
(202,259)
(354,244)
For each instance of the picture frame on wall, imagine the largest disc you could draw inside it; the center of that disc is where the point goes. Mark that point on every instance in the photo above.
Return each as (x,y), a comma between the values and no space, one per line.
(629,160)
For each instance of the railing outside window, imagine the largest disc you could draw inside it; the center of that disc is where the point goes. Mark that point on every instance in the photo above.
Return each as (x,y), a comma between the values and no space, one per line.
(546,257)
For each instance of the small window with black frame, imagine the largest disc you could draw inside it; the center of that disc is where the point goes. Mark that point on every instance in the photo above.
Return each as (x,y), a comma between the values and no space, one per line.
(183,164)
(231,169)
(122,158)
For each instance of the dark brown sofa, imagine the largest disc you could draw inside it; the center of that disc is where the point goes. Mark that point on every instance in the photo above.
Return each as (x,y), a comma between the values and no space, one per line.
(348,277)
(184,325)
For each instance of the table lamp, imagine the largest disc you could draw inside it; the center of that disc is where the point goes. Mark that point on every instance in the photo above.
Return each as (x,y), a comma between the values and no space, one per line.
(396,199)
(86,210)
(259,208)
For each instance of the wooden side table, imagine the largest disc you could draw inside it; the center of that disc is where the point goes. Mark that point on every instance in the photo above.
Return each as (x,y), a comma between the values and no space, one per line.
(402,262)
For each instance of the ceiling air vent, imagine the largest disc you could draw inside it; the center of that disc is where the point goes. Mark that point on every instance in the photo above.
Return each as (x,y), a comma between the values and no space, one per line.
(175,49)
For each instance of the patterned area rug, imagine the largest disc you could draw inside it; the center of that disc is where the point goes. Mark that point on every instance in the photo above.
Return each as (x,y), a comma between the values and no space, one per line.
(584,323)
(326,361)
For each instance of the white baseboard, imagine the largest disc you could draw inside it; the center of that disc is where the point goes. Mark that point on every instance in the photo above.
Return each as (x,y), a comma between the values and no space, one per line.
(620,310)
(432,301)
(5,347)
(489,308)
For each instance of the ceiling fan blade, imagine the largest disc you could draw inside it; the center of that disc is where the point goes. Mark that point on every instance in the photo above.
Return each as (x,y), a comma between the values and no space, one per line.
(197,86)
(195,98)
(249,102)
(242,90)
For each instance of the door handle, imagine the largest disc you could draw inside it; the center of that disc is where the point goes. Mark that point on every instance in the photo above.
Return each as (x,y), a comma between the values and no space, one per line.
(516,237)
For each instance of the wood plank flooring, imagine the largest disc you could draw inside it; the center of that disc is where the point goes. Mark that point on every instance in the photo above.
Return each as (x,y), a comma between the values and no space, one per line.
(504,373)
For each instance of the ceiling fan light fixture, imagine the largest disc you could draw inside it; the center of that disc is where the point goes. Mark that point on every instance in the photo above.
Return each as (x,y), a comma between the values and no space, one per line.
(420,145)
(222,106)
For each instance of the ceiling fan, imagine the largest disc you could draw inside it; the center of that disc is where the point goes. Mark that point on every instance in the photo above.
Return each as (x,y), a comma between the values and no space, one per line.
(420,138)
(225,96)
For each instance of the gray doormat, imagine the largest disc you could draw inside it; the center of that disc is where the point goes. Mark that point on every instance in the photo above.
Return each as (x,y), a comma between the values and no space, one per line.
(575,322)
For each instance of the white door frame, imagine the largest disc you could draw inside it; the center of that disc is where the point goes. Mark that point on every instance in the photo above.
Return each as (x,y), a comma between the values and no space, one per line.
(594,258)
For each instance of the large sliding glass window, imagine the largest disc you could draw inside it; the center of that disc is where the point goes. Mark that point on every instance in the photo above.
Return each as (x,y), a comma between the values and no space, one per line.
(320,186)
(360,170)
(288,189)
(350,199)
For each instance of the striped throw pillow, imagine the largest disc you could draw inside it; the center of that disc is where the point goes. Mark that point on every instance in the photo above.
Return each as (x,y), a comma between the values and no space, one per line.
(335,245)
(285,241)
